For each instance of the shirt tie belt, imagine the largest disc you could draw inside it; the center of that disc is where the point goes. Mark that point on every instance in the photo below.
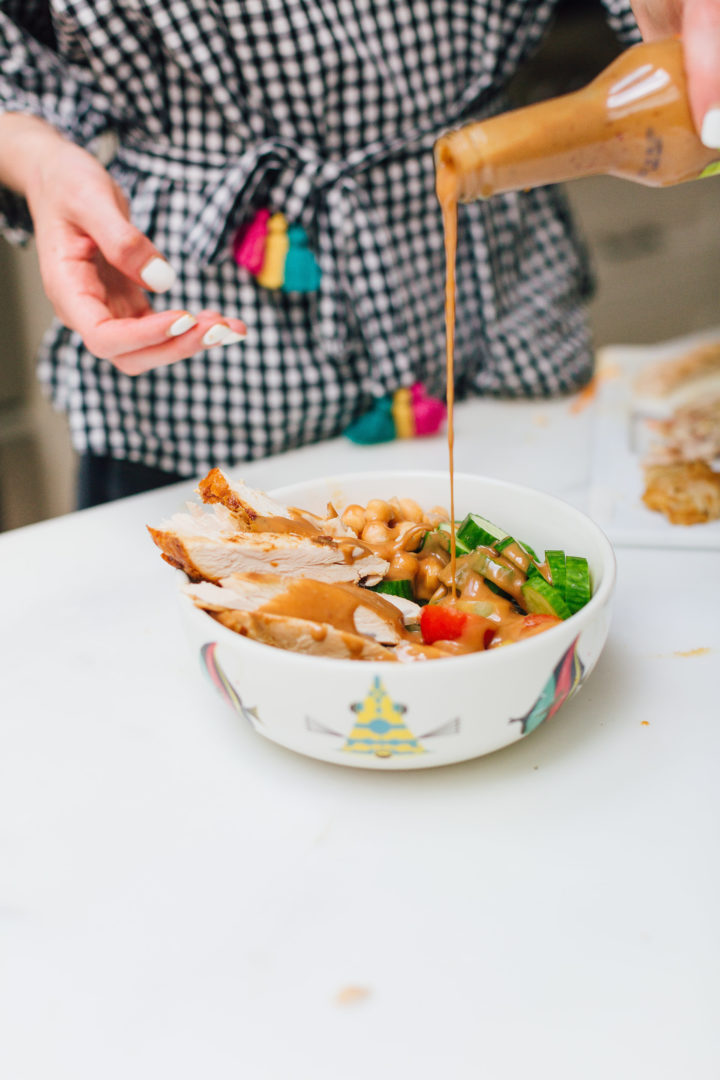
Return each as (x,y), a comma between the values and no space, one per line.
(361,297)
(360,292)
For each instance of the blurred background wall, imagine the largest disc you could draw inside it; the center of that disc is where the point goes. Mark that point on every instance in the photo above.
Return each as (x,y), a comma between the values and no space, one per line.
(656,255)
(36,460)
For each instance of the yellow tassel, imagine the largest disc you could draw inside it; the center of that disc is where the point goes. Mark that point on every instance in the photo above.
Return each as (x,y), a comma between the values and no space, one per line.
(276,248)
(402,414)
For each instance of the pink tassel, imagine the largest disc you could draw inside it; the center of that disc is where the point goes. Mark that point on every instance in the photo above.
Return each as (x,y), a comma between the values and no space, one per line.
(429,412)
(249,243)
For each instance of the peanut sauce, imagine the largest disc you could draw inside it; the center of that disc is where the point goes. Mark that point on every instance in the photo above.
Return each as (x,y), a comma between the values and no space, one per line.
(339,605)
(334,604)
(446,189)
(293,525)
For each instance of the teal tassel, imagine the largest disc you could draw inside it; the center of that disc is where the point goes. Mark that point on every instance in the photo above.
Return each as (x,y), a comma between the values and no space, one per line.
(302,273)
(376,426)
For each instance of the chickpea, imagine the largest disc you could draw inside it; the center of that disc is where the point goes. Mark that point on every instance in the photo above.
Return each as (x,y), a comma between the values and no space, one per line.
(436,515)
(375,532)
(379,510)
(407,536)
(427,579)
(410,510)
(354,518)
(402,529)
(403,566)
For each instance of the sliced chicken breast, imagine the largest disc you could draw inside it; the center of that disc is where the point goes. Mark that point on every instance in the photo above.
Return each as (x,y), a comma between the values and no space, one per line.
(257,512)
(202,555)
(343,606)
(242,501)
(303,636)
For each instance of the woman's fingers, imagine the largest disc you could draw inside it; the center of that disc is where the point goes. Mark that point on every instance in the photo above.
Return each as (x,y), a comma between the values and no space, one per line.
(116,322)
(97,267)
(701,39)
(101,211)
(658,18)
(127,249)
(72,186)
(108,338)
(698,22)
(180,336)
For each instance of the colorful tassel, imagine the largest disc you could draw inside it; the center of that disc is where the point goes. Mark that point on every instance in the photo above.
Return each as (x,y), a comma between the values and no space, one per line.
(278,257)
(429,413)
(276,249)
(375,426)
(249,243)
(302,273)
(404,415)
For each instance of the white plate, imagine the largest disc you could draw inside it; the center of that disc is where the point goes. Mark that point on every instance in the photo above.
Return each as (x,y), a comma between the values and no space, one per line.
(619,441)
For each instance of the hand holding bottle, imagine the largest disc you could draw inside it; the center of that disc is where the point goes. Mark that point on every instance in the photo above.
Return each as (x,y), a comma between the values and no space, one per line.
(698,22)
(632,121)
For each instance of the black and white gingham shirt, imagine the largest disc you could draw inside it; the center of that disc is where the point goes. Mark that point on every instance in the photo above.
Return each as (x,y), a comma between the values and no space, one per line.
(328,111)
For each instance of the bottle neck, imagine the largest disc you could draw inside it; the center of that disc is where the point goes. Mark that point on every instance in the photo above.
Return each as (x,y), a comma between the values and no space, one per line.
(541,144)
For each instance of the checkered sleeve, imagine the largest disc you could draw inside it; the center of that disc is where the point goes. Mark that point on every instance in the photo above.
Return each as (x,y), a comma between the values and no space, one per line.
(34,80)
(622,20)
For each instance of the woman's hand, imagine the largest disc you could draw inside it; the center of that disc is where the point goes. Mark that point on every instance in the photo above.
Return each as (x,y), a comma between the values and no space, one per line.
(698,21)
(95,265)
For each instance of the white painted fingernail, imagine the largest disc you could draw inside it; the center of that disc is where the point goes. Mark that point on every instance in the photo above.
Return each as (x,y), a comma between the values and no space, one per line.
(710,133)
(219,334)
(158,275)
(182,325)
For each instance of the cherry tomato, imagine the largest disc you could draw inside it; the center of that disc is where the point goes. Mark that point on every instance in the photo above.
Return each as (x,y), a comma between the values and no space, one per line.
(441,623)
(536,622)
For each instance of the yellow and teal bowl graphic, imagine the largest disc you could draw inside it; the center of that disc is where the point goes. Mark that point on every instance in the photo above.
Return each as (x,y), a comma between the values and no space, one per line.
(380,726)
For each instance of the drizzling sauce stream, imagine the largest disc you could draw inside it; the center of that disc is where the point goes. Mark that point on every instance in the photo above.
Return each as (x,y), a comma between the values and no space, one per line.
(446,188)
(633,120)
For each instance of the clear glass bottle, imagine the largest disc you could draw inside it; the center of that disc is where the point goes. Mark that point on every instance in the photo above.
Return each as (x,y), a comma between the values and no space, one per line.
(632,121)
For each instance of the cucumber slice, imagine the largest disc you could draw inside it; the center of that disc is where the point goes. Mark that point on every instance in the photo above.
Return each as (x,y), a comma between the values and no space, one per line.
(533,572)
(498,591)
(402,587)
(493,568)
(556,563)
(578,589)
(461,547)
(520,555)
(513,553)
(544,599)
(476,607)
(476,531)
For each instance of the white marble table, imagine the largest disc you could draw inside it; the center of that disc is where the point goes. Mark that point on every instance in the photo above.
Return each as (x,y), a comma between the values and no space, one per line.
(181,899)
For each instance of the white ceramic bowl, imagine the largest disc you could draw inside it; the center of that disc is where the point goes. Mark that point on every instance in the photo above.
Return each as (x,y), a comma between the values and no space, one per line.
(407,716)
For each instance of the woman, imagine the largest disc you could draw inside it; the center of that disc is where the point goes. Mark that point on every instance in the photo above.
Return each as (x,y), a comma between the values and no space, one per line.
(326,111)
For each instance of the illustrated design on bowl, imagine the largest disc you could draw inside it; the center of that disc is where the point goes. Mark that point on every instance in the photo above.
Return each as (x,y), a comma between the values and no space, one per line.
(564,681)
(223,685)
(380,727)
(375,714)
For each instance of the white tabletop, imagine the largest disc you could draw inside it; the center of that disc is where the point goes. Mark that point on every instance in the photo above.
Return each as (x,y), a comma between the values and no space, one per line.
(181,899)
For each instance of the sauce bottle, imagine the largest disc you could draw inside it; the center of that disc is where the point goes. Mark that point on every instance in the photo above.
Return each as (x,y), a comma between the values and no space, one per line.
(632,121)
